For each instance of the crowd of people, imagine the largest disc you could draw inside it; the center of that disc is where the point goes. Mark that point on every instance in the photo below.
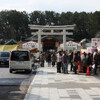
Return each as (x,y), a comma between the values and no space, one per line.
(62,59)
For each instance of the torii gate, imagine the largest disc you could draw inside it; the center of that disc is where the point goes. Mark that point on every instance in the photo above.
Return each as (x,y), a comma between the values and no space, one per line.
(52,30)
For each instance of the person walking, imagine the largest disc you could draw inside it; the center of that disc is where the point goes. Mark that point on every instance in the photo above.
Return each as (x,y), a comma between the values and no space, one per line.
(71,61)
(89,61)
(48,59)
(53,59)
(83,62)
(42,59)
(59,62)
(65,62)
(95,60)
(77,60)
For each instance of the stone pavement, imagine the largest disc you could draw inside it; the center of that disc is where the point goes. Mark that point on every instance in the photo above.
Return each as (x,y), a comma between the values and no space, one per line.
(49,85)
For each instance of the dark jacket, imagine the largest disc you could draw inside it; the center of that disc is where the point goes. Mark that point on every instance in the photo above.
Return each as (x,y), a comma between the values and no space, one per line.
(88,60)
(64,58)
(96,59)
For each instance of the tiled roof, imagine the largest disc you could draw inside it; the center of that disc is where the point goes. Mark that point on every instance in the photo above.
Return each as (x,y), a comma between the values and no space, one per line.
(35,38)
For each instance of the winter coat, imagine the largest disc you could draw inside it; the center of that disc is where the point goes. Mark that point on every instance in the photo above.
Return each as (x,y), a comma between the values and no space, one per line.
(64,58)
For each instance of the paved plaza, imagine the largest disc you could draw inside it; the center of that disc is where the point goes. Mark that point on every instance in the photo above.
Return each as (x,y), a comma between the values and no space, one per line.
(50,85)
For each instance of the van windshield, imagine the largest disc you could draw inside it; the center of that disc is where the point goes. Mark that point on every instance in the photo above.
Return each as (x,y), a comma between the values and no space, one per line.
(4,54)
(20,56)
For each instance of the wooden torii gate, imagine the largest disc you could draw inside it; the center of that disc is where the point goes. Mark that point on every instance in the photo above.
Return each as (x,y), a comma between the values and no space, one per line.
(52,30)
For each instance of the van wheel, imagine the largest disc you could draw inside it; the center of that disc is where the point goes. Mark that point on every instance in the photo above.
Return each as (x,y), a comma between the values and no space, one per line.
(10,70)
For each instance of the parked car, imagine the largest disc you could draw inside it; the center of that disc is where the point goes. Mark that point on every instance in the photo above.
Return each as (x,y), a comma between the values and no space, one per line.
(4,58)
(20,60)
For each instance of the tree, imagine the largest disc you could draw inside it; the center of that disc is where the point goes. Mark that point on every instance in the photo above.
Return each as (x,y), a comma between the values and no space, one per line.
(37,18)
(66,18)
(14,24)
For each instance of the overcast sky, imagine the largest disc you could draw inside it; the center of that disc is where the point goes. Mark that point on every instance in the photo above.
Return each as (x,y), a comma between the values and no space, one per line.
(51,5)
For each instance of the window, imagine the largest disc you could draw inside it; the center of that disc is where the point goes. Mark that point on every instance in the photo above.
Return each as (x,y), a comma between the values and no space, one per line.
(4,54)
(20,56)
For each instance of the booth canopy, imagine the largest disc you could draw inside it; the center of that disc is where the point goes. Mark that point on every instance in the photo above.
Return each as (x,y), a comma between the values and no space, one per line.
(8,47)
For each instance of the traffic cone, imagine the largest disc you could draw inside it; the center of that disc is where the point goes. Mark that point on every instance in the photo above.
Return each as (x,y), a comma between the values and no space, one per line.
(79,68)
(88,72)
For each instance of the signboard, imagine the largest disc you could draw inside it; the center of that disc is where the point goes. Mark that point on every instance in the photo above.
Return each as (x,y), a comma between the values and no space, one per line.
(95,42)
(71,45)
(30,45)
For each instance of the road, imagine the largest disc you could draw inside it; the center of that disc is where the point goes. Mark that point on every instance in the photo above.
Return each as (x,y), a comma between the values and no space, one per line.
(14,86)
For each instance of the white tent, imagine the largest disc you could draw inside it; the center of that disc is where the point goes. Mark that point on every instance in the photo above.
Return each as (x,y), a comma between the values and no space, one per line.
(71,45)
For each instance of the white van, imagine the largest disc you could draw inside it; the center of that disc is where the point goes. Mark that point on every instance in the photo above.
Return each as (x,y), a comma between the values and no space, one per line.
(20,60)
